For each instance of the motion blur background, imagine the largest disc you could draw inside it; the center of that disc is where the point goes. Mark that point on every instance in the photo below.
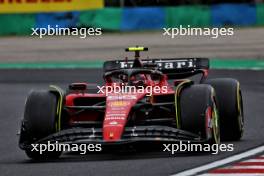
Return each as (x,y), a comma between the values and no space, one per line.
(129,22)
(18,16)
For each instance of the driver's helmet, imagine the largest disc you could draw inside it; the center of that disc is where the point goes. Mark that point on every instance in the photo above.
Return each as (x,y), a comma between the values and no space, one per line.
(138,80)
(123,78)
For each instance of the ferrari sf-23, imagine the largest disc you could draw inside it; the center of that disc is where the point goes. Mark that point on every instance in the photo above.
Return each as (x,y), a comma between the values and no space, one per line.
(199,110)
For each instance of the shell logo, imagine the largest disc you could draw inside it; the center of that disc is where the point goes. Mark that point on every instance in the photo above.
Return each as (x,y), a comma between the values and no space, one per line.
(118,103)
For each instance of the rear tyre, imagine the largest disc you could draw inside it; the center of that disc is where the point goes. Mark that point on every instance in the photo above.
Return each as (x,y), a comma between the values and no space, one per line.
(230,102)
(39,121)
(199,112)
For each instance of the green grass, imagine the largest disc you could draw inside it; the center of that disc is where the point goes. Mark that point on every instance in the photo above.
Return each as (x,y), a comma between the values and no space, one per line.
(247,64)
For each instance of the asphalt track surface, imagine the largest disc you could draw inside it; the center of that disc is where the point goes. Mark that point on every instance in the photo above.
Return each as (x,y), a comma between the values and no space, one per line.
(15,85)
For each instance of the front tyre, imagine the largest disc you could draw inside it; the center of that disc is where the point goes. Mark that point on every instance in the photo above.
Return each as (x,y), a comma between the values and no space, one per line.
(39,121)
(199,112)
(230,102)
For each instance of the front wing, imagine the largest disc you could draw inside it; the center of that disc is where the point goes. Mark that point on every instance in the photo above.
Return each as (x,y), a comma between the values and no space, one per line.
(161,134)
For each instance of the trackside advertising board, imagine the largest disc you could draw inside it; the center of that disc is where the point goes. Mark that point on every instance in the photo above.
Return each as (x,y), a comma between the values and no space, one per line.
(31,6)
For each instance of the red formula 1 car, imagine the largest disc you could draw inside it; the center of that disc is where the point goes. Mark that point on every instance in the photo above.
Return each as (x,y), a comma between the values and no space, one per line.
(142,101)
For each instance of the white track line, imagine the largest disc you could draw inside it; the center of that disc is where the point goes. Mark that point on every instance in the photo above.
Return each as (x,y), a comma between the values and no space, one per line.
(221,162)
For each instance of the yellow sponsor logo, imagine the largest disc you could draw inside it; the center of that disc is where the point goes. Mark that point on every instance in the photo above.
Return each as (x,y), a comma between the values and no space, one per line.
(118,103)
(31,6)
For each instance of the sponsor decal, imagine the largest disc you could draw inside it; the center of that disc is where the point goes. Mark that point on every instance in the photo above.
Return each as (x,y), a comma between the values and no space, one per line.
(115,118)
(111,115)
(118,103)
(164,64)
(29,6)
(110,125)
(113,123)
(121,109)
(121,97)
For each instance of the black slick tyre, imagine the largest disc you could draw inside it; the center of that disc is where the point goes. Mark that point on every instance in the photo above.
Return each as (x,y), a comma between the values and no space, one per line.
(230,102)
(39,121)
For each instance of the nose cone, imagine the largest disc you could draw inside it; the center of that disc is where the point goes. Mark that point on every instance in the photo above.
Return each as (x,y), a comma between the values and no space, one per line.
(113,133)
(118,107)
(115,119)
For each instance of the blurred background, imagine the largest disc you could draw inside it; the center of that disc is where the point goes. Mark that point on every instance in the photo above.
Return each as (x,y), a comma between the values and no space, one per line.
(130,22)
(171,2)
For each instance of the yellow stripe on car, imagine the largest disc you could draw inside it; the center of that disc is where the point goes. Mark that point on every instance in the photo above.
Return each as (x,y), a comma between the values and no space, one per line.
(215,119)
(239,106)
(59,106)
(176,96)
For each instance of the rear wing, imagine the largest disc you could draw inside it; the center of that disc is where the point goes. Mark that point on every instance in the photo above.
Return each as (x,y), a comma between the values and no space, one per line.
(166,66)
